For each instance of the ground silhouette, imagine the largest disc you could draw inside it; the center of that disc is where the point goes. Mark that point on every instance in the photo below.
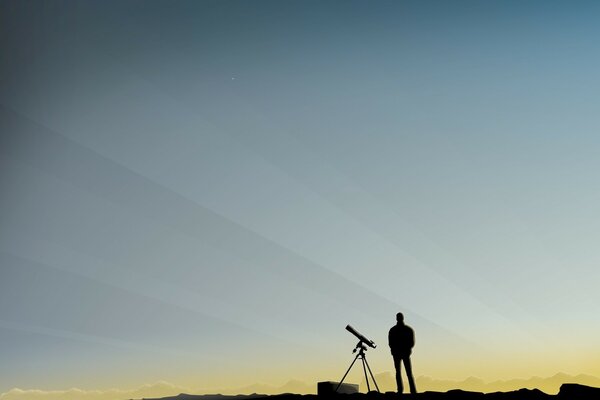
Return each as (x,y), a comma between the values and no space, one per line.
(568,391)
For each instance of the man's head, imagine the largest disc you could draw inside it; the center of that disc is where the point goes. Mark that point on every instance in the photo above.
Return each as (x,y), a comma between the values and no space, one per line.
(400,318)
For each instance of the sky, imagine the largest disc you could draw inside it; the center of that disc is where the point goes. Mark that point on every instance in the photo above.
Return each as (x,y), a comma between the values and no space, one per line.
(205,193)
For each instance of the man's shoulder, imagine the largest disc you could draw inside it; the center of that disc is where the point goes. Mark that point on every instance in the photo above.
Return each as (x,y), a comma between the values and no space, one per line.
(402,329)
(394,328)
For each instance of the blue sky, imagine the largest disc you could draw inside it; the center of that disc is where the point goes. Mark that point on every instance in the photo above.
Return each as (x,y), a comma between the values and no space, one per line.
(189,187)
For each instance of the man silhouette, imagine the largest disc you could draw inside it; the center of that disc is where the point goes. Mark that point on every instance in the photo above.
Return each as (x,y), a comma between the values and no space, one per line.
(402,339)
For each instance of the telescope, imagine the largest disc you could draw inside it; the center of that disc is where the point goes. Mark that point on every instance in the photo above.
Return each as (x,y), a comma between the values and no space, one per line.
(361,349)
(361,338)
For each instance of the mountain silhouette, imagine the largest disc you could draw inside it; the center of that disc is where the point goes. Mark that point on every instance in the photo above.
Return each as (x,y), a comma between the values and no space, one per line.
(551,385)
(568,391)
(292,386)
(387,382)
(571,387)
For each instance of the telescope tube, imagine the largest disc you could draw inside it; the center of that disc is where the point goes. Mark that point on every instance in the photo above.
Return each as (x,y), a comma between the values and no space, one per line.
(360,337)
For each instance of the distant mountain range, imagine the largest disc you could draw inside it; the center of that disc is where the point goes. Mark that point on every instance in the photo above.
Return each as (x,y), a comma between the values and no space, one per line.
(292,386)
(386,381)
(157,389)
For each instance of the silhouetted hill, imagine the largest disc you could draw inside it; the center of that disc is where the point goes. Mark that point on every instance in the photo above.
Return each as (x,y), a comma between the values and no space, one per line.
(551,384)
(568,391)
(292,386)
(575,391)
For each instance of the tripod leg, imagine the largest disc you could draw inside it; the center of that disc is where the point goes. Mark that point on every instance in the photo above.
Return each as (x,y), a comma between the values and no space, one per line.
(370,372)
(366,377)
(344,377)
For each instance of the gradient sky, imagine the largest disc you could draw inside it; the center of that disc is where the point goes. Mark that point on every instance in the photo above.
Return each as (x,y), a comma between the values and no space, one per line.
(207,192)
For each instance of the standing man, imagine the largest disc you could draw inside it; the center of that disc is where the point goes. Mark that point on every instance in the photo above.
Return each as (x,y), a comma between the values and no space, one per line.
(402,339)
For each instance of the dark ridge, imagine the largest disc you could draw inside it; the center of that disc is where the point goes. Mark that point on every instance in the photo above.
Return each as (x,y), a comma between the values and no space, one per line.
(185,396)
(519,394)
(577,391)
(568,391)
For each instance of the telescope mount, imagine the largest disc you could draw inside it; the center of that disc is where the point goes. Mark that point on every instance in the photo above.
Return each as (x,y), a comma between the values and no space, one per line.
(361,349)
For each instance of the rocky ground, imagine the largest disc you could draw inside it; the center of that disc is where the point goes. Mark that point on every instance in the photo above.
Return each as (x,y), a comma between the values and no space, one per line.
(568,391)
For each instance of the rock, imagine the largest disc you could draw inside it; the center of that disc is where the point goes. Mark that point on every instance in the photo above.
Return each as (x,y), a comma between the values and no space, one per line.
(574,391)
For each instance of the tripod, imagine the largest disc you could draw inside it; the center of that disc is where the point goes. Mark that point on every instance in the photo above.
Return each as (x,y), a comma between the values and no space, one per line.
(361,348)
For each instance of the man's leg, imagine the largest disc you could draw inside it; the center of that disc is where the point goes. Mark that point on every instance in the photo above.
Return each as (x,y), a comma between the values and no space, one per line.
(397,361)
(409,375)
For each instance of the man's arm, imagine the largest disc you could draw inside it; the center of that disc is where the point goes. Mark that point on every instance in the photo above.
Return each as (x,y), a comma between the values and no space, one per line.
(391,341)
